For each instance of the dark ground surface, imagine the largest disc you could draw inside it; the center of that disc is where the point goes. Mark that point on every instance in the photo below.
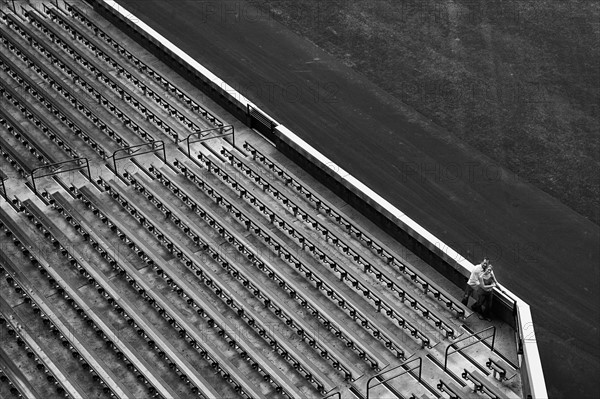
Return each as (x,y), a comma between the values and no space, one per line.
(517,80)
(543,251)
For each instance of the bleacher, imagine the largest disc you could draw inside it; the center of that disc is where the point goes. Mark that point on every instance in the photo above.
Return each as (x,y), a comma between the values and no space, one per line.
(216,271)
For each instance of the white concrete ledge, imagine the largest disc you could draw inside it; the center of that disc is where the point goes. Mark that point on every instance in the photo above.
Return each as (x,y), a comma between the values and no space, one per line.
(142,26)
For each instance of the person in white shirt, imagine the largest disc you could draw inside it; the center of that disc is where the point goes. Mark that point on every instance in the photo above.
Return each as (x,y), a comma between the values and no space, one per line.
(473,283)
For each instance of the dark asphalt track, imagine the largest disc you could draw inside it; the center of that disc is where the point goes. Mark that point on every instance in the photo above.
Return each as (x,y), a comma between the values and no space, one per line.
(543,251)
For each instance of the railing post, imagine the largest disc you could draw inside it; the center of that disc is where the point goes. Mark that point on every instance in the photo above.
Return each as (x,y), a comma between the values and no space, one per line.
(368,382)
(164,153)
(87,163)
(115,162)
(4,190)
(187,139)
(33,181)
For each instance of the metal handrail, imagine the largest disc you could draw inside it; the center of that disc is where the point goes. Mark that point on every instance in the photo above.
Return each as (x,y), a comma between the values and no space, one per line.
(3,193)
(57,169)
(223,131)
(420,367)
(133,151)
(478,339)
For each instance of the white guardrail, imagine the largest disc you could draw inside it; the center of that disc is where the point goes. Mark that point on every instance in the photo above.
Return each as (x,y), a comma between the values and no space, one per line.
(531,367)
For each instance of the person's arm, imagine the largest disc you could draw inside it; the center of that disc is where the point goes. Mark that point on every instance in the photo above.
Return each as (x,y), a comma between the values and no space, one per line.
(495,282)
(483,284)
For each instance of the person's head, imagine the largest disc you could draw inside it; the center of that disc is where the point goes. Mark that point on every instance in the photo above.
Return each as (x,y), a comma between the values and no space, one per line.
(487,267)
(485,262)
